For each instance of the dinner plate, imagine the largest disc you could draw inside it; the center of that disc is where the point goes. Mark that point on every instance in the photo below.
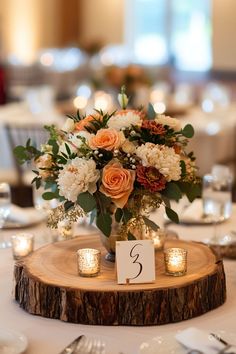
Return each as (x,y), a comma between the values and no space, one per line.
(201,221)
(12,342)
(9,224)
(167,344)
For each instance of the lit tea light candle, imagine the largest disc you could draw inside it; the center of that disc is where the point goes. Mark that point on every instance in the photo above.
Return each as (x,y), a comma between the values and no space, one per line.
(22,245)
(175,261)
(89,260)
(158,238)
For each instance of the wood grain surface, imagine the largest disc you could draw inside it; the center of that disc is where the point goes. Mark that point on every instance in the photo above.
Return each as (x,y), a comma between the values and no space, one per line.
(47,284)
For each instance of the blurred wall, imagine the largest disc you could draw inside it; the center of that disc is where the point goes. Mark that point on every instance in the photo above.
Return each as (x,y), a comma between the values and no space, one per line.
(224,30)
(102,20)
(28,25)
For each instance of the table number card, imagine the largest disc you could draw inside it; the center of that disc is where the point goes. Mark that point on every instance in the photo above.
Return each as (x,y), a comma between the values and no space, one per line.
(135,261)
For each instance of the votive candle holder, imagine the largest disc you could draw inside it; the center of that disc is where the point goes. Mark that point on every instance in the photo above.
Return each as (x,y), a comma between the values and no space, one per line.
(158,238)
(175,261)
(89,262)
(22,245)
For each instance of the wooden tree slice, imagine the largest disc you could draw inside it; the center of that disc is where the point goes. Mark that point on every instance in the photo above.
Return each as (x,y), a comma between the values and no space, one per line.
(47,284)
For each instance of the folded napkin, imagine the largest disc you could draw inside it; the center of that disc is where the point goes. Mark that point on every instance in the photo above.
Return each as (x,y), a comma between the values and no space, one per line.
(193,212)
(193,338)
(24,216)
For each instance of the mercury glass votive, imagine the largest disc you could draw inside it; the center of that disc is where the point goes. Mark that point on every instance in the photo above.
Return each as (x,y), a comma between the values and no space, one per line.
(22,245)
(175,261)
(158,238)
(88,260)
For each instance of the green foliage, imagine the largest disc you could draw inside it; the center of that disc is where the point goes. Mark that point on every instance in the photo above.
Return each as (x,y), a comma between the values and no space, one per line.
(192,190)
(172,215)
(183,168)
(173,191)
(151,114)
(86,201)
(55,146)
(104,222)
(49,195)
(150,223)
(188,131)
(103,202)
(130,236)
(68,205)
(26,153)
(127,215)
(52,131)
(118,214)
(76,118)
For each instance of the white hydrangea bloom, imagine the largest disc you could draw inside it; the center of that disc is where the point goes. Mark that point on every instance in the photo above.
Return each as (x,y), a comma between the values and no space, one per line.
(162,158)
(78,176)
(124,120)
(74,138)
(173,123)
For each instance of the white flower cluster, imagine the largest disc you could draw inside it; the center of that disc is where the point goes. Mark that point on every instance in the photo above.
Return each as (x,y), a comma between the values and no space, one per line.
(76,140)
(78,176)
(173,123)
(163,158)
(124,120)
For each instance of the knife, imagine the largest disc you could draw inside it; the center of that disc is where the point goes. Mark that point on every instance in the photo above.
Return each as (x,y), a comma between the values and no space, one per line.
(72,346)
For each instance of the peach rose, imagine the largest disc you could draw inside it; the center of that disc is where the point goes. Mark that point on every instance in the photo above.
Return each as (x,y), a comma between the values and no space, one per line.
(108,139)
(117,183)
(86,122)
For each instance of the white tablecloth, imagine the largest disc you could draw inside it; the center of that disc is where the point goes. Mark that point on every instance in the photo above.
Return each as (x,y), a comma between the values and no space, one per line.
(49,336)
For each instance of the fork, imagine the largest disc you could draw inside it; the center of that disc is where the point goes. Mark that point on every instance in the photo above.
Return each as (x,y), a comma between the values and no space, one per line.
(227,345)
(90,346)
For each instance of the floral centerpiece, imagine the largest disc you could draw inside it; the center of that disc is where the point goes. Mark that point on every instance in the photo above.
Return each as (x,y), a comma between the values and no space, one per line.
(117,167)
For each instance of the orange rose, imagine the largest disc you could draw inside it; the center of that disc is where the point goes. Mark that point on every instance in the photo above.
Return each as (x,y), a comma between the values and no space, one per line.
(108,139)
(117,183)
(86,122)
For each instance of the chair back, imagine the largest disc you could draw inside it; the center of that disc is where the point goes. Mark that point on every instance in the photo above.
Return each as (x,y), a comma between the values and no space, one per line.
(18,135)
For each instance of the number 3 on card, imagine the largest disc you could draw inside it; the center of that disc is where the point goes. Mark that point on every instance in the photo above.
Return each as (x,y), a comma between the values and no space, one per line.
(135,261)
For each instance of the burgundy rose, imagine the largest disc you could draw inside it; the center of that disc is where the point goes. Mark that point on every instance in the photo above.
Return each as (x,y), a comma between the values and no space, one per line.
(150,178)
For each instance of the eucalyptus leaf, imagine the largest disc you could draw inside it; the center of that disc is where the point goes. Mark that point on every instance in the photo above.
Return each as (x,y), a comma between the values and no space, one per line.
(48,196)
(183,168)
(192,191)
(166,201)
(68,204)
(172,215)
(127,215)
(150,223)
(188,131)
(21,154)
(86,201)
(104,222)
(118,214)
(172,191)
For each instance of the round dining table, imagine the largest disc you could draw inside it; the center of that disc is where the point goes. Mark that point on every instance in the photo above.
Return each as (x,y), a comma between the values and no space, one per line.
(49,336)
